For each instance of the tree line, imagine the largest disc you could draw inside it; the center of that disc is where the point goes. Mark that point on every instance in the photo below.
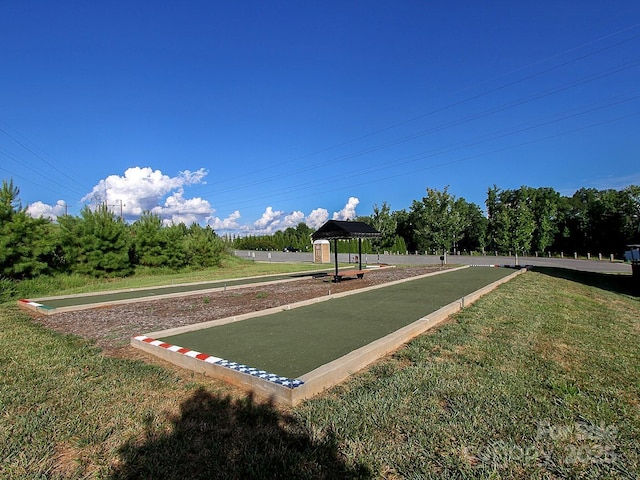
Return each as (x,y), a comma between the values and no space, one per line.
(97,243)
(524,221)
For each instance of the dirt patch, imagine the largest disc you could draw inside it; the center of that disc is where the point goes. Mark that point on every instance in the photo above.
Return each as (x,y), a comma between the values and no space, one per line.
(111,327)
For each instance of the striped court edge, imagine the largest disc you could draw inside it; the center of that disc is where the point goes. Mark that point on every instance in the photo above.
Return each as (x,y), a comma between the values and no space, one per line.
(33,304)
(270,377)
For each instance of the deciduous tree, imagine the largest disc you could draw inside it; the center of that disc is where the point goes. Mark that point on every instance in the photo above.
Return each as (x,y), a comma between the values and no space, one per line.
(437,223)
(383,221)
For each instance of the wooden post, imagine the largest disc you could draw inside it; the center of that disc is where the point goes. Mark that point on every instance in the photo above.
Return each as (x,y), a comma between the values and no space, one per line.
(359,254)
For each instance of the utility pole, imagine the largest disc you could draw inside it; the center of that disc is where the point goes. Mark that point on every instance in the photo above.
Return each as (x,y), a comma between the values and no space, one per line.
(119,204)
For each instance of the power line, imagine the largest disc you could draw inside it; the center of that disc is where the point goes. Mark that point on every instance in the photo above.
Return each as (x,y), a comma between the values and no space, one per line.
(35,154)
(515,130)
(479,95)
(431,130)
(387,178)
(439,128)
(27,180)
(39,173)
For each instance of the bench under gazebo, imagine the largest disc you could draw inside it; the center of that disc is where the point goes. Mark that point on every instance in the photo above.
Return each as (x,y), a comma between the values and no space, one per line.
(344,230)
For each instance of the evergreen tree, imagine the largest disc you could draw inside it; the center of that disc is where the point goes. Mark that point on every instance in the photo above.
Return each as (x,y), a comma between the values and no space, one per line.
(203,247)
(174,239)
(303,234)
(25,243)
(9,202)
(96,244)
(149,241)
(399,246)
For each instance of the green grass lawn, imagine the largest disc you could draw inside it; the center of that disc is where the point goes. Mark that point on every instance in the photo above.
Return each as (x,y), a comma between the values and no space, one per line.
(539,379)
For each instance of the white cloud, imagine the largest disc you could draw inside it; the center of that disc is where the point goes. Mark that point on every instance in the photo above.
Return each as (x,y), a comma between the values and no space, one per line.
(293,219)
(611,182)
(349,210)
(317,218)
(177,209)
(273,220)
(269,221)
(229,223)
(39,209)
(193,178)
(143,189)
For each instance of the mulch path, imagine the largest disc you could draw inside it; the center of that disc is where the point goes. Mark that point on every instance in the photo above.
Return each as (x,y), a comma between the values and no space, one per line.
(111,327)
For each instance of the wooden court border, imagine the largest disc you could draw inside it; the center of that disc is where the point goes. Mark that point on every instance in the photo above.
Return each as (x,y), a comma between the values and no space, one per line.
(291,392)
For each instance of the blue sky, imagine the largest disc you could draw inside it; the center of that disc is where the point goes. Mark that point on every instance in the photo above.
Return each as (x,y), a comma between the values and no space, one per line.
(252,116)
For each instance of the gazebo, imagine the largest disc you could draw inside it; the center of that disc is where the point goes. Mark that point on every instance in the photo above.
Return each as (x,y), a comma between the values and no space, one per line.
(340,230)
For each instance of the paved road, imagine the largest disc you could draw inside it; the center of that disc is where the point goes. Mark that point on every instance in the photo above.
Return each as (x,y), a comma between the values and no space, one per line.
(603,266)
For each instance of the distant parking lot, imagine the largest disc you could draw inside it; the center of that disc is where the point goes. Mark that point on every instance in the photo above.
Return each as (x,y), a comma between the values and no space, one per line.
(602,266)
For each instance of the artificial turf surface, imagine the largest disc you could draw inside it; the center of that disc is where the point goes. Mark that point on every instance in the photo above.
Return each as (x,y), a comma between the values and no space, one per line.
(294,342)
(165,290)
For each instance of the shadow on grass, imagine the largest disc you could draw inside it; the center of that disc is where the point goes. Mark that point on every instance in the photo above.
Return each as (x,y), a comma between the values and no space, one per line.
(217,437)
(625,284)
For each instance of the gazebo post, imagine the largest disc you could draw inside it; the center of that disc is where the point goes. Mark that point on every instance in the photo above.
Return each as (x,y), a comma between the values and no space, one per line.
(359,253)
(335,254)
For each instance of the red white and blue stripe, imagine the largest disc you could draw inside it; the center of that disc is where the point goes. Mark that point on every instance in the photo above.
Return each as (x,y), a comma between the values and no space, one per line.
(270,377)
(33,304)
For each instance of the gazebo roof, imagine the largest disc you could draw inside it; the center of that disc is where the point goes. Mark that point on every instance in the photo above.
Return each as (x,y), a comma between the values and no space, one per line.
(337,229)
